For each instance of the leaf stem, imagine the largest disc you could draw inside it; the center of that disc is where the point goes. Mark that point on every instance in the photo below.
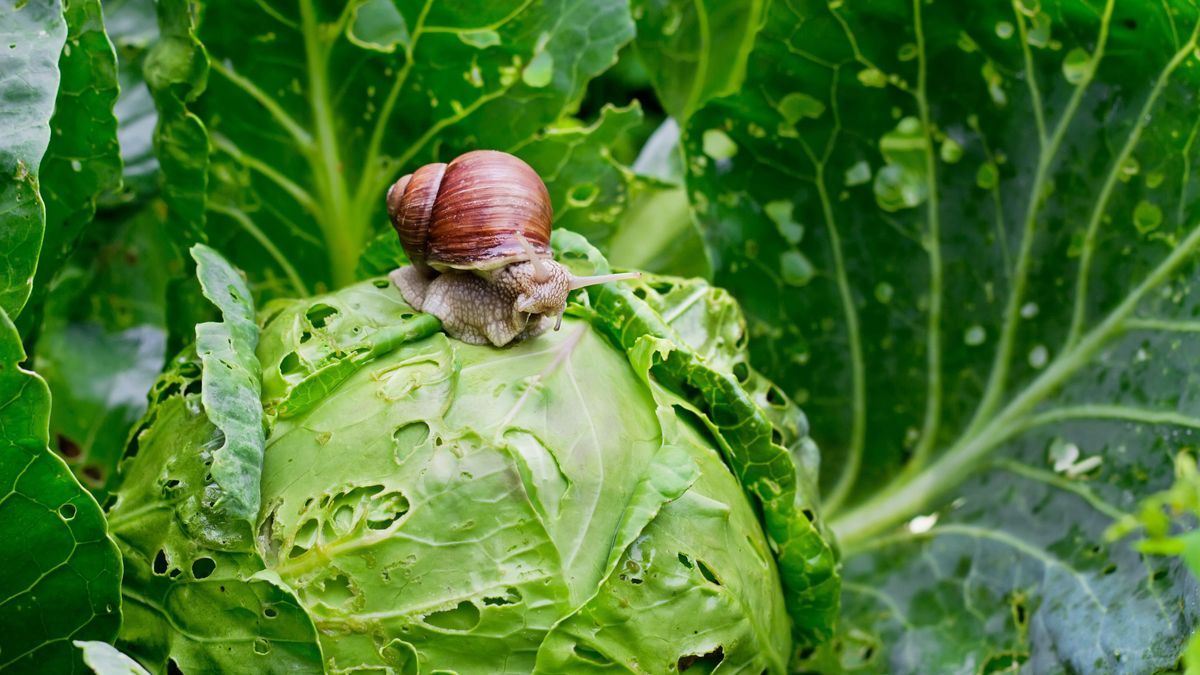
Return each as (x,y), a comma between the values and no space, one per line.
(344,234)
(932,245)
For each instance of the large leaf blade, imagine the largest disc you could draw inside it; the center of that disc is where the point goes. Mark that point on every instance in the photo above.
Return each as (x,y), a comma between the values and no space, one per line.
(332,113)
(63,573)
(981,299)
(33,36)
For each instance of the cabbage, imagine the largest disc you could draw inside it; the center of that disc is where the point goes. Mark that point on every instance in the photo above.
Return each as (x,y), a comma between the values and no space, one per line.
(578,502)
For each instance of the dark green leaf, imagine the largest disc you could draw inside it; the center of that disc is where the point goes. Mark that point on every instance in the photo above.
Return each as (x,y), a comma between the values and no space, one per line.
(333,103)
(176,72)
(102,342)
(964,236)
(695,51)
(231,384)
(133,28)
(83,160)
(62,573)
(31,39)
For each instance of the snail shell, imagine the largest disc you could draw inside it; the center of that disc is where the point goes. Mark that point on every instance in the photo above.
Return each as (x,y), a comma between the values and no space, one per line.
(470,214)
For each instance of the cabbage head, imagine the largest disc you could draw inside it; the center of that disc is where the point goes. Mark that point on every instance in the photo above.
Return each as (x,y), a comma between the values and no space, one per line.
(616,496)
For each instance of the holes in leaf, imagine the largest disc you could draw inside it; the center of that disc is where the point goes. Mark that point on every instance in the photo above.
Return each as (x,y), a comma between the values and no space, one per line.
(68,448)
(741,371)
(409,436)
(464,617)
(1004,662)
(173,668)
(776,436)
(806,652)
(67,511)
(386,510)
(407,315)
(707,573)
(1159,575)
(319,314)
(160,562)
(776,397)
(261,646)
(1019,611)
(1109,569)
(701,663)
(809,514)
(270,612)
(335,590)
(685,561)
(380,283)
(591,655)
(305,336)
(202,568)
(290,365)
(94,474)
(511,597)
(641,292)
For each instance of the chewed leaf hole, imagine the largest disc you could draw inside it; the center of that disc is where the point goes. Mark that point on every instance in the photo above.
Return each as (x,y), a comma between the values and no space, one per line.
(380,283)
(685,561)
(707,573)
(270,612)
(464,617)
(290,365)
(385,510)
(262,647)
(591,655)
(202,568)
(67,511)
(741,371)
(160,562)
(511,597)
(319,314)
(334,591)
(701,663)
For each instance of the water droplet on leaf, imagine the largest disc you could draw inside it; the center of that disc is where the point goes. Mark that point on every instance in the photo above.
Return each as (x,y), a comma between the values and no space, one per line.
(539,71)
(872,77)
(796,268)
(884,292)
(780,212)
(796,106)
(718,144)
(1077,65)
(1147,216)
(1038,356)
(858,173)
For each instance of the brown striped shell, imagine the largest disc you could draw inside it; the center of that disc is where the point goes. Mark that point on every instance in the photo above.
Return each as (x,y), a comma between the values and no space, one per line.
(468,214)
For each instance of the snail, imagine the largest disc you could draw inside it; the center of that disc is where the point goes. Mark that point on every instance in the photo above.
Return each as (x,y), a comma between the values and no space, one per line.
(477,231)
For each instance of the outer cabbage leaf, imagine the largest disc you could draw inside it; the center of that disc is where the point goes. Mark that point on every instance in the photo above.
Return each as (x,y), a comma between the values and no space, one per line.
(711,374)
(33,36)
(82,161)
(62,573)
(232,382)
(192,596)
(337,100)
(965,237)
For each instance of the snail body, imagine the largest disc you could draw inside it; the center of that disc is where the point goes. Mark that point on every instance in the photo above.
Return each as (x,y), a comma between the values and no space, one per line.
(477,231)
